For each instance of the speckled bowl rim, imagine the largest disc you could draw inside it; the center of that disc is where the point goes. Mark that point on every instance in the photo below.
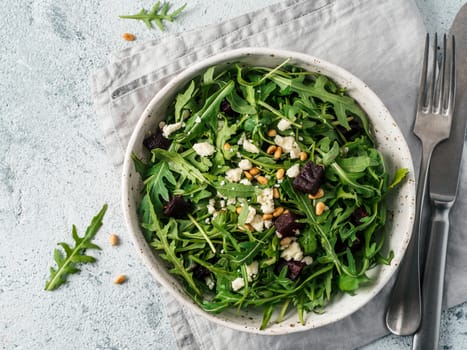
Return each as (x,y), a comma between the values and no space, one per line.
(384,129)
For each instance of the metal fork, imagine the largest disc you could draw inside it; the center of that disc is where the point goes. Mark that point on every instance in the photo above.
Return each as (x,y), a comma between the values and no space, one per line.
(432,125)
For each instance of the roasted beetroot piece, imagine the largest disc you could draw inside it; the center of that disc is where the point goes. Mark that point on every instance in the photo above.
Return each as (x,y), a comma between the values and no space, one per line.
(293,268)
(309,178)
(287,225)
(355,129)
(357,215)
(226,107)
(356,245)
(200,272)
(157,140)
(176,208)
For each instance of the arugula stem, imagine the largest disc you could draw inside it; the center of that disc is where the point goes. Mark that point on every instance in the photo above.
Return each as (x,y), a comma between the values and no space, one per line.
(203,232)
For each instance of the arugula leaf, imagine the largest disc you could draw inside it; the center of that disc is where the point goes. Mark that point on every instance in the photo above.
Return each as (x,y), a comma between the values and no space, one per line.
(179,165)
(342,104)
(205,117)
(398,177)
(232,190)
(67,265)
(182,100)
(157,14)
(170,254)
(159,176)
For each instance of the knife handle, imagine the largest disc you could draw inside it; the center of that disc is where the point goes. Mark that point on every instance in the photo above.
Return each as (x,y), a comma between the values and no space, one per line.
(427,336)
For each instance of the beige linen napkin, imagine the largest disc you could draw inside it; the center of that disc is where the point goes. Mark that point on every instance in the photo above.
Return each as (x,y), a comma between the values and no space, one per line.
(380,41)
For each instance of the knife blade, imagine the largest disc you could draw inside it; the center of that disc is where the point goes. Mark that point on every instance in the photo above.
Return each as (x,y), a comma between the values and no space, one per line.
(443,188)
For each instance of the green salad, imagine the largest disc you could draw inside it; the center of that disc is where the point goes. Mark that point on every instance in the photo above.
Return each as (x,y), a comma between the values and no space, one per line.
(264,189)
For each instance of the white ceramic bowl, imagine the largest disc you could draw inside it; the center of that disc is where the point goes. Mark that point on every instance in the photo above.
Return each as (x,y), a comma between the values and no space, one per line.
(389,141)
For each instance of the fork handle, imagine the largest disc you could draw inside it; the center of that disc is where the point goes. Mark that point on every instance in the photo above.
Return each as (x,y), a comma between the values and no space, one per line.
(427,337)
(404,312)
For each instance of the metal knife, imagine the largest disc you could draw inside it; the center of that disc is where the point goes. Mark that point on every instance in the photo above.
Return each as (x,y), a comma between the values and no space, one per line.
(443,183)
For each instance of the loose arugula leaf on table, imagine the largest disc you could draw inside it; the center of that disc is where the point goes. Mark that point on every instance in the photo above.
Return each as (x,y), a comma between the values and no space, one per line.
(68,264)
(158,14)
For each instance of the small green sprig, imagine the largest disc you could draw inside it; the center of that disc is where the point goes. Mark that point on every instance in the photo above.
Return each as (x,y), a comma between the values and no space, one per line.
(66,265)
(158,14)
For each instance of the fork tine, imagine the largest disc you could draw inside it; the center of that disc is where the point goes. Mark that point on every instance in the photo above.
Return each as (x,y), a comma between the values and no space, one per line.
(423,93)
(452,77)
(432,92)
(440,94)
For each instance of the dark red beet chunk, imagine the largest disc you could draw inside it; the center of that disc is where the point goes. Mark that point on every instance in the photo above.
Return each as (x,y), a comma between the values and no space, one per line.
(176,208)
(286,224)
(200,272)
(293,268)
(358,214)
(226,107)
(355,129)
(157,140)
(309,178)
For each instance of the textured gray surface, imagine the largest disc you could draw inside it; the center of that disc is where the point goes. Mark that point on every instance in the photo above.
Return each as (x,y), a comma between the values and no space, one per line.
(54,172)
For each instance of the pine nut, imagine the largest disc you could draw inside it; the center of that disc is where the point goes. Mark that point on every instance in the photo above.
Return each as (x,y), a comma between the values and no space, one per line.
(128,36)
(262,180)
(275,193)
(227,146)
(249,227)
(113,239)
(285,242)
(317,195)
(278,212)
(267,216)
(254,171)
(120,279)
(278,152)
(303,156)
(248,175)
(320,208)
(271,149)
(272,133)
(280,174)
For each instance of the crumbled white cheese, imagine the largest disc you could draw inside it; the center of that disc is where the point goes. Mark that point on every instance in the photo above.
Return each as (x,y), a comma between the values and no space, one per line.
(250,147)
(283,124)
(170,128)
(251,215)
(238,284)
(198,119)
(292,252)
(204,149)
(307,260)
(209,282)
(257,223)
(245,164)
(241,139)
(252,270)
(266,199)
(245,181)
(288,145)
(211,206)
(234,175)
(268,224)
(293,171)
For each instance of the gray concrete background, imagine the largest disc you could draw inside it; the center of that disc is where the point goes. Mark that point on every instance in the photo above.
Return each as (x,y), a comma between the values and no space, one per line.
(54,172)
